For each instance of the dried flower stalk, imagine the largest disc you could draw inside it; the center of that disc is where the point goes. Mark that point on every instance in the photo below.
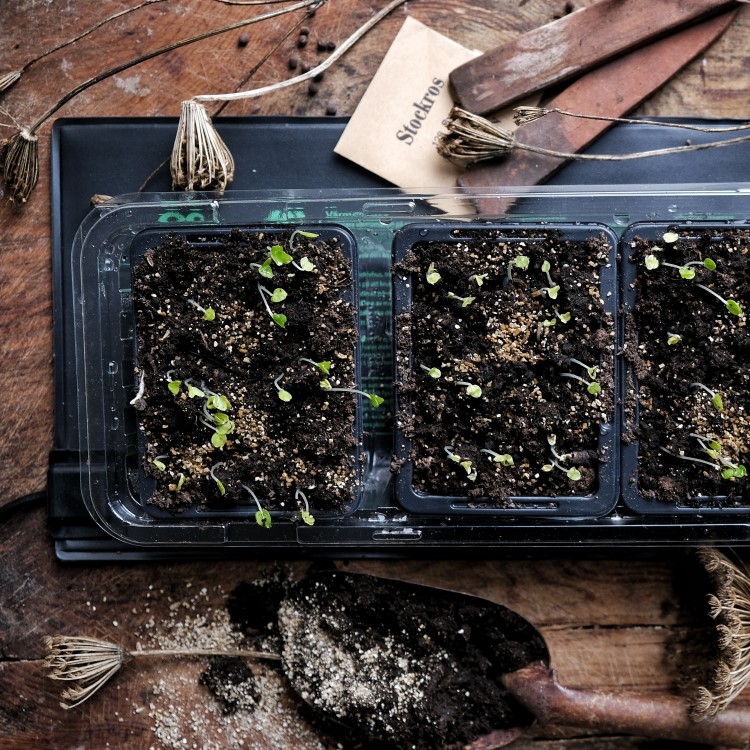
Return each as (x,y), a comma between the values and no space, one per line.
(20,165)
(89,663)
(729,607)
(471,138)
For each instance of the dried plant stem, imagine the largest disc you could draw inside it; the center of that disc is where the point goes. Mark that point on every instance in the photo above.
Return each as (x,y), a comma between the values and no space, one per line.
(340,51)
(88,663)
(162,50)
(472,138)
(524,115)
(5,80)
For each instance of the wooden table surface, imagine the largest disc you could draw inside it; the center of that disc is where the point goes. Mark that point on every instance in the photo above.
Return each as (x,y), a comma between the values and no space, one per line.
(610,622)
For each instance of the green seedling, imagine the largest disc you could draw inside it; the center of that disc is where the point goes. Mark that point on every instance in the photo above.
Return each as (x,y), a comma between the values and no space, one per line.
(731,305)
(283,394)
(670,237)
(208,312)
(692,459)
(673,338)
(591,370)
(218,402)
(472,389)
(218,421)
(712,447)
(686,271)
(159,463)
(279,256)
(374,399)
(592,386)
(180,482)
(553,289)
(716,399)
(305,265)
(324,366)
(262,517)
(504,459)
(478,278)
(301,233)
(564,317)
(278,295)
(558,460)
(521,262)
(193,391)
(465,464)
(432,276)
(219,484)
(305,514)
(433,372)
(264,268)
(172,383)
(465,301)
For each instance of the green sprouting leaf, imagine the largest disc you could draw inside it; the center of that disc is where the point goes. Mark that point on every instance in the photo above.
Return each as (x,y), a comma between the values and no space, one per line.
(714,445)
(306,264)
(712,453)
(279,295)
(504,459)
(279,319)
(718,402)
(546,266)
(521,261)
(466,466)
(180,482)
(674,339)
(687,272)
(594,388)
(670,237)
(219,402)
(434,372)
(325,384)
(733,307)
(209,314)
(309,235)
(263,518)
(265,269)
(159,464)
(375,400)
(657,249)
(279,256)
(467,301)
(174,386)
(593,371)
(432,276)
(478,278)
(473,390)
(549,322)
(218,440)
(220,485)
(565,317)
(547,467)
(740,472)
(194,392)
(324,366)
(284,395)
(307,517)
(227,428)
(220,418)
(709,264)
(651,262)
(573,474)
(553,291)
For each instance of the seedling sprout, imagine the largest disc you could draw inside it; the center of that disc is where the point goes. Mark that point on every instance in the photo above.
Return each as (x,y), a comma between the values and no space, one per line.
(284,395)
(432,276)
(465,464)
(159,463)
(673,338)
(279,256)
(465,301)
(730,304)
(433,372)
(478,278)
(305,514)
(472,389)
(712,447)
(262,517)
(219,484)
(301,233)
(716,400)
(686,271)
(557,461)
(324,366)
(592,386)
(375,400)
(553,289)
(504,459)
(208,312)
(180,482)
(278,295)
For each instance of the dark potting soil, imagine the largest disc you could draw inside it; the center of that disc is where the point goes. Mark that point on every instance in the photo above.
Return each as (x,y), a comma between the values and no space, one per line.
(404,665)
(516,343)
(232,683)
(681,335)
(275,447)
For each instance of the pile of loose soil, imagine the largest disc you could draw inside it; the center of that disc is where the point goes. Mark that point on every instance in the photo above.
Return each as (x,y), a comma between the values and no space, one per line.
(517,343)
(275,446)
(402,664)
(681,335)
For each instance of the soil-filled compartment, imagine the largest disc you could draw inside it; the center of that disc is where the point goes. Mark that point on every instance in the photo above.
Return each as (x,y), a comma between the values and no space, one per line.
(686,427)
(247,359)
(506,386)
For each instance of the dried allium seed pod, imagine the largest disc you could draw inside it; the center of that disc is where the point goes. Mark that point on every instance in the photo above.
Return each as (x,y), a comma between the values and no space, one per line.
(472,138)
(200,158)
(20,166)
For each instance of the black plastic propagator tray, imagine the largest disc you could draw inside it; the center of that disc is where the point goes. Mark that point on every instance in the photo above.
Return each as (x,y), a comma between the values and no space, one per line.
(296,180)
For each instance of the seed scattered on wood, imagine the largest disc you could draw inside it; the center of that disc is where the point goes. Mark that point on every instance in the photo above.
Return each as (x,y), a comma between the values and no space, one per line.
(313,88)
(331,110)
(293,63)
(319,77)
(302,41)
(243,40)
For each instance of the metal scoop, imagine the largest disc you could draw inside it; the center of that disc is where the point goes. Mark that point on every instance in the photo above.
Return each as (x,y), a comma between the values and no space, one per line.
(417,667)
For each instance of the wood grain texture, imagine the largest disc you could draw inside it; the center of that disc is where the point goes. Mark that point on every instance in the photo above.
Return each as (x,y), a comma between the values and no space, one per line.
(609,623)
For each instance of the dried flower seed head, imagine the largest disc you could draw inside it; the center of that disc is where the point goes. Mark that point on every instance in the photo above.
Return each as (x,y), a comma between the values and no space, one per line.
(729,606)
(472,138)
(8,79)
(20,166)
(524,115)
(200,158)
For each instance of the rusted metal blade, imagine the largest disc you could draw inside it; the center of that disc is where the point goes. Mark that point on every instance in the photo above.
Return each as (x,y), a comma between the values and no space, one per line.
(565,48)
(611,90)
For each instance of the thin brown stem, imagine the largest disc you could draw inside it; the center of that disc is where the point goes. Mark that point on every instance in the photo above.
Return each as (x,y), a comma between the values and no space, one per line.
(239,653)
(162,50)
